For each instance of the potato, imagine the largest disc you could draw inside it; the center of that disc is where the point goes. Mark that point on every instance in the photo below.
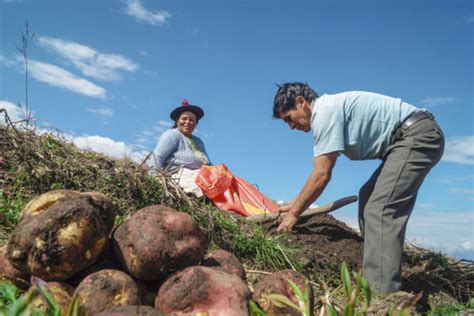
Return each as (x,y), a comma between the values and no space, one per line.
(105,261)
(10,273)
(157,240)
(201,290)
(132,310)
(62,294)
(60,233)
(226,261)
(277,283)
(106,289)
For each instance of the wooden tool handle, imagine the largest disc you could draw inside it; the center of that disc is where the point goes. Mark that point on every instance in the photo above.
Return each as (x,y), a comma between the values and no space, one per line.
(268,217)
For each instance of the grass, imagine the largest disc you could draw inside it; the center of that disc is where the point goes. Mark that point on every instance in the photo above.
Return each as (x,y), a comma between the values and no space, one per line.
(32,164)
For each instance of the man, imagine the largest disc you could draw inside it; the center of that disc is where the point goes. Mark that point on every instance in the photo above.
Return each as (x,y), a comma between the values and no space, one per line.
(363,125)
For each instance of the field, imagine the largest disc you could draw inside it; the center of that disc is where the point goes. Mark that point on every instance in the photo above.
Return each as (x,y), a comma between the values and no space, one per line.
(32,164)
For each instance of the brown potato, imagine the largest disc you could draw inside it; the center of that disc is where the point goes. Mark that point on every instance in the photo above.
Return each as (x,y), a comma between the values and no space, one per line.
(205,291)
(157,240)
(10,273)
(61,233)
(106,289)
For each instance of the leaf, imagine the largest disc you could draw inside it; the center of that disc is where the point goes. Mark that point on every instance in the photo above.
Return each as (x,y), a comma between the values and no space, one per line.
(23,302)
(253,309)
(366,291)
(73,309)
(331,310)
(349,309)
(8,291)
(281,301)
(44,289)
(296,290)
(346,280)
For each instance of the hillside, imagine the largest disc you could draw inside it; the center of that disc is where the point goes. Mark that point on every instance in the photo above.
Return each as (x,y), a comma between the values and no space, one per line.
(31,164)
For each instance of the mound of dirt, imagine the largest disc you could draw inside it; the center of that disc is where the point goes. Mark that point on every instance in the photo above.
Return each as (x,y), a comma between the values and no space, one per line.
(326,243)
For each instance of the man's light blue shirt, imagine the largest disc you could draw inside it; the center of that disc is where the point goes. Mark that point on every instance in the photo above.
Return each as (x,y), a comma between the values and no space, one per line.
(358,124)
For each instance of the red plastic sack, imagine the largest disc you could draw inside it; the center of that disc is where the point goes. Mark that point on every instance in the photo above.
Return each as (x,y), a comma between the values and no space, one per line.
(232,193)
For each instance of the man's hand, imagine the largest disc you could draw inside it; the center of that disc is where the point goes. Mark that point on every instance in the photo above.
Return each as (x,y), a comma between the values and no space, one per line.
(284,208)
(287,223)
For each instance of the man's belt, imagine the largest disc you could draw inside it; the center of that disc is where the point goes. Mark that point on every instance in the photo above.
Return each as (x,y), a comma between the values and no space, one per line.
(415,117)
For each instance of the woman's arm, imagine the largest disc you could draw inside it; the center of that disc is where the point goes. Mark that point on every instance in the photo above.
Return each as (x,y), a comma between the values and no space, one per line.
(167,144)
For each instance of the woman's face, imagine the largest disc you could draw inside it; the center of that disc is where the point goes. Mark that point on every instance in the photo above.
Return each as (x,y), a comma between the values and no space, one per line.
(186,123)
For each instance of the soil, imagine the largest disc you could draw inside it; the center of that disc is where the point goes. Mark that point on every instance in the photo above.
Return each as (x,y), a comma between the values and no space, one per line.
(326,243)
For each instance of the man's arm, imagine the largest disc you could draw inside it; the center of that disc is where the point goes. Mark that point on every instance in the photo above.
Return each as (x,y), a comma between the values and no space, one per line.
(314,186)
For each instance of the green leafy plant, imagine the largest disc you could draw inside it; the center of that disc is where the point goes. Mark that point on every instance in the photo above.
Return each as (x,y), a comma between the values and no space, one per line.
(454,309)
(303,305)
(357,294)
(14,304)
(254,310)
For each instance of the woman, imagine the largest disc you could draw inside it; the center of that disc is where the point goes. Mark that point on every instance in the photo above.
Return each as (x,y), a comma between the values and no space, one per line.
(180,152)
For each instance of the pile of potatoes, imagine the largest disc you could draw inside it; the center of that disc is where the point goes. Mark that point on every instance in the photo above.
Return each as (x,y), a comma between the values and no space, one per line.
(155,263)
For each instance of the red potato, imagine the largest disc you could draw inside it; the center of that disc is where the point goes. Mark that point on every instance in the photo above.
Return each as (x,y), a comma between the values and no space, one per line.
(203,291)
(158,240)
(226,261)
(106,289)
(277,283)
(61,233)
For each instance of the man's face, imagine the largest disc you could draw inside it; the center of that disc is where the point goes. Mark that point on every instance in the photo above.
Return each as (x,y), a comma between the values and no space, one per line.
(299,118)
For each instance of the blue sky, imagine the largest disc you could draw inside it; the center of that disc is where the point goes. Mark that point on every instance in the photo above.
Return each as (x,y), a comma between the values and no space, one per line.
(108,73)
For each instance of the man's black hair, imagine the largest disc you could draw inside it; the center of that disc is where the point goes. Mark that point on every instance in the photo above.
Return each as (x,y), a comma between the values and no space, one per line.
(286,96)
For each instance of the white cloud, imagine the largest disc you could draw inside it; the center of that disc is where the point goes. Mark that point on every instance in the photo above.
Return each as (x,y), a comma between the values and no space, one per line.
(10,62)
(90,62)
(468,245)
(142,52)
(449,231)
(135,9)
(100,144)
(430,229)
(432,101)
(459,149)
(62,78)
(103,111)
(15,113)
(462,191)
(449,180)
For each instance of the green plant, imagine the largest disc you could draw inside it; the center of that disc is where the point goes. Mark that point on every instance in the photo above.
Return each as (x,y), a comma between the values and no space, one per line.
(357,294)
(454,309)
(254,310)
(304,301)
(8,295)
(14,304)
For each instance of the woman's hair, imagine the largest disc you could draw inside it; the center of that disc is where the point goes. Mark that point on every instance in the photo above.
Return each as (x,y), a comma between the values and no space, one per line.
(286,96)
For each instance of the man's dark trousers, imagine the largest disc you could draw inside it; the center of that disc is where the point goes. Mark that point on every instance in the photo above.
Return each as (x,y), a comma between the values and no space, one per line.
(386,200)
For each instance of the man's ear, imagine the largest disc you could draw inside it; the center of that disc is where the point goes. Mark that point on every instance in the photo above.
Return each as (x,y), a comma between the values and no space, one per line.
(300,101)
